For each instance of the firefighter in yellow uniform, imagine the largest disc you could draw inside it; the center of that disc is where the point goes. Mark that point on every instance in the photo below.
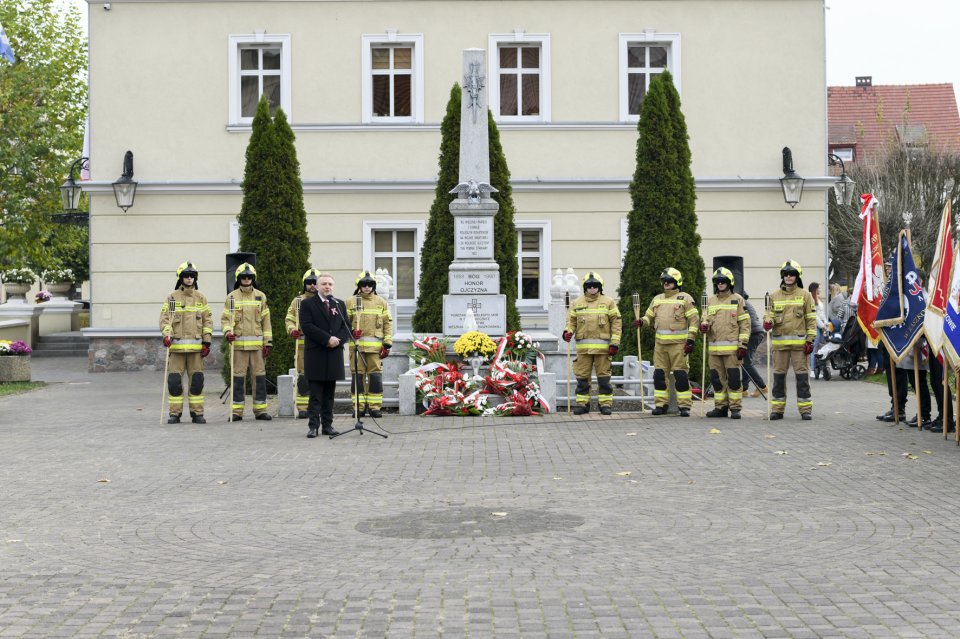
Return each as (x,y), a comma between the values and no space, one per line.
(594,320)
(792,318)
(673,315)
(372,324)
(292,323)
(246,325)
(187,328)
(727,327)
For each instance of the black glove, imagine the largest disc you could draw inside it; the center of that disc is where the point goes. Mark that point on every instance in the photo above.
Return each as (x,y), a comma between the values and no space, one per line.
(688,347)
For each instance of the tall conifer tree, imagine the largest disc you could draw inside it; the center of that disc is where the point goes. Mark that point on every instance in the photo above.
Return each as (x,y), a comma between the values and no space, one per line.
(662,225)
(273,223)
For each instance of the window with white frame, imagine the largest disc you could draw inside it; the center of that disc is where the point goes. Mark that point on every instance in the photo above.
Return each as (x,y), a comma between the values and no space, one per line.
(259,64)
(519,77)
(393,78)
(395,246)
(643,56)
(533,263)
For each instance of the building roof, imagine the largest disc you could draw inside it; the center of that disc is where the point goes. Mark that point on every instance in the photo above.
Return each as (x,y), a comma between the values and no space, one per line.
(869,118)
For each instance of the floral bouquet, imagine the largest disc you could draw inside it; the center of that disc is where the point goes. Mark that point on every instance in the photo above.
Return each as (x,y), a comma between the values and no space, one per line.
(18,347)
(518,345)
(43,296)
(474,343)
(19,276)
(57,275)
(427,350)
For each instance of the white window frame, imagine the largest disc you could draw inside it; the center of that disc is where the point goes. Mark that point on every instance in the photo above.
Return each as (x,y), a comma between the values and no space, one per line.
(494,40)
(419,227)
(671,41)
(368,41)
(546,266)
(235,43)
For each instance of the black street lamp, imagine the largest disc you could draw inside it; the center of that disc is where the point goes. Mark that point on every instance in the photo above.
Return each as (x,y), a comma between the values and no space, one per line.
(843,189)
(70,191)
(125,188)
(791,183)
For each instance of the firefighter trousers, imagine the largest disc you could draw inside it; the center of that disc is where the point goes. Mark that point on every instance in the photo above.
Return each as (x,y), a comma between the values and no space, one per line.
(583,367)
(782,360)
(366,379)
(726,380)
(192,365)
(252,361)
(669,358)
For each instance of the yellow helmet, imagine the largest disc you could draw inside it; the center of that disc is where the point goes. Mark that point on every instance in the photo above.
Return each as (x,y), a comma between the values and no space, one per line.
(246,269)
(594,279)
(365,278)
(187,269)
(721,274)
(671,273)
(789,267)
(311,274)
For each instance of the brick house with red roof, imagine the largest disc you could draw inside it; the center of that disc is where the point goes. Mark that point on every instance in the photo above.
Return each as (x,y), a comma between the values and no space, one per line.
(864,120)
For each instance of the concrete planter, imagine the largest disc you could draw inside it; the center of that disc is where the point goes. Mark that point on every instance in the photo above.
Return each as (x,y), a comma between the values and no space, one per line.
(58,289)
(16,291)
(15,368)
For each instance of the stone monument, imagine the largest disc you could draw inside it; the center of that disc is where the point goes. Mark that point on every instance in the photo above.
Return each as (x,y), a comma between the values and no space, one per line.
(474,276)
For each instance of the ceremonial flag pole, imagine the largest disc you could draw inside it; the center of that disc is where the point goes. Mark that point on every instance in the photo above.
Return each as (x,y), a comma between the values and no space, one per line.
(868,288)
(907,218)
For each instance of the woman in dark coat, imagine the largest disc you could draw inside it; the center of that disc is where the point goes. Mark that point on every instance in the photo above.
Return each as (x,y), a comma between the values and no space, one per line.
(326,328)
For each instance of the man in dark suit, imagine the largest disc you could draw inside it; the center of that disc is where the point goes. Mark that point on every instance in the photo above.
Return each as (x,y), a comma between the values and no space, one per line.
(326,328)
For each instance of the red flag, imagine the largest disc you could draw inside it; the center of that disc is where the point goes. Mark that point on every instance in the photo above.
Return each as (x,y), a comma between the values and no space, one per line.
(938,282)
(868,288)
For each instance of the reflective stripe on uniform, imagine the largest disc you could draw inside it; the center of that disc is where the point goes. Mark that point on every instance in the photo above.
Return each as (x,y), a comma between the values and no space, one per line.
(248,341)
(789,340)
(369,341)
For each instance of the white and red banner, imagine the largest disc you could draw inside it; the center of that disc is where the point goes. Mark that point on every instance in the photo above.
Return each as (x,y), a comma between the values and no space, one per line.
(868,288)
(938,283)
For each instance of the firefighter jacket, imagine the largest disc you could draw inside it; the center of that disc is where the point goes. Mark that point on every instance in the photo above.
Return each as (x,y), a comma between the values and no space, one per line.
(674,317)
(794,317)
(185,317)
(246,315)
(729,323)
(373,318)
(595,322)
(292,321)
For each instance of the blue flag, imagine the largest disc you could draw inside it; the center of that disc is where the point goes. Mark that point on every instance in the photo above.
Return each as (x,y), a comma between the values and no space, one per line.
(6,51)
(901,314)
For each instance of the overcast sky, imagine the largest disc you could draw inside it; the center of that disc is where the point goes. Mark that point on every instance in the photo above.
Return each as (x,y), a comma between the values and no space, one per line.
(911,42)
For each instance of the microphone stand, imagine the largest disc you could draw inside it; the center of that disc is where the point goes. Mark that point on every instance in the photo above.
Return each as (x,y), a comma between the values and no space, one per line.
(357,377)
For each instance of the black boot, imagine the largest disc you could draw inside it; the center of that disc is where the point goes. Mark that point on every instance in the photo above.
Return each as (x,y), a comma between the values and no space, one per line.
(264,417)
(198,419)
(659,410)
(889,418)
(313,431)
(734,413)
(684,412)
(775,416)
(302,414)
(883,418)
(238,418)
(581,410)
(718,412)
(606,410)
(174,419)
(376,413)
(328,430)
(806,417)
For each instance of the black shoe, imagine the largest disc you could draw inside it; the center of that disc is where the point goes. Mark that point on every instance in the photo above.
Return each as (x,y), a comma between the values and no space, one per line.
(199,419)
(889,418)
(684,412)
(580,410)
(775,416)
(265,417)
(302,414)
(312,432)
(912,422)
(659,410)
(376,413)
(883,418)
(717,412)
(606,410)
(806,417)
(328,430)
(734,413)
(174,419)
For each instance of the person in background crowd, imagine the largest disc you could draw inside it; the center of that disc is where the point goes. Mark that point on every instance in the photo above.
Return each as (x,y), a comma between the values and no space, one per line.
(757,335)
(874,359)
(837,299)
(814,290)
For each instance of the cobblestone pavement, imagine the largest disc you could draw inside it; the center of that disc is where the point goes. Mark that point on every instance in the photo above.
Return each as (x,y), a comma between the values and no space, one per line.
(113,525)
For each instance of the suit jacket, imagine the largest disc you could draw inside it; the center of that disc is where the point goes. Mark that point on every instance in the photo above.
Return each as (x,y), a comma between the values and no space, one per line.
(320,362)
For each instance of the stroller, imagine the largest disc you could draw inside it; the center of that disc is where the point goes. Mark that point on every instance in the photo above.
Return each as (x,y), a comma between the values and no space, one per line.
(843,351)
